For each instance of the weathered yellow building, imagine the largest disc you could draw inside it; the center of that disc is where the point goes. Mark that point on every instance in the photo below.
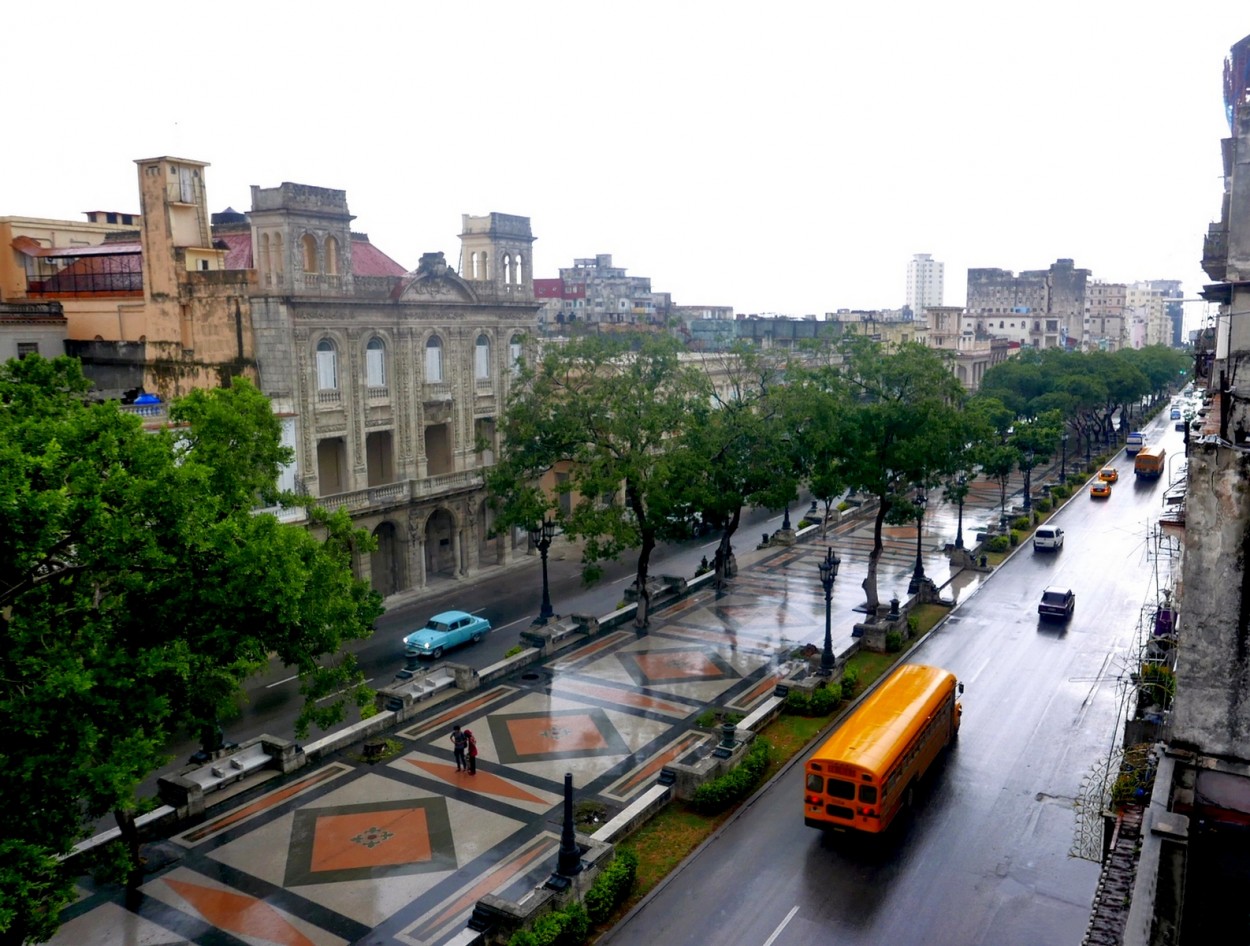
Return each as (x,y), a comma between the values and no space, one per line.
(149,303)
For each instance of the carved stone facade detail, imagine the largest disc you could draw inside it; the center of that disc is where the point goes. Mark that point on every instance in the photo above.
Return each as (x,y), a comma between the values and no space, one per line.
(437,521)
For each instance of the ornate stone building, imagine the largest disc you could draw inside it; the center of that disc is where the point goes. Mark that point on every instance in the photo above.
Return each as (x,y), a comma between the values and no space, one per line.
(388,382)
(391,384)
(972,352)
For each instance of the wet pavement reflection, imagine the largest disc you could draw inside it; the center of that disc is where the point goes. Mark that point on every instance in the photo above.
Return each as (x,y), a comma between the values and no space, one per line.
(401,851)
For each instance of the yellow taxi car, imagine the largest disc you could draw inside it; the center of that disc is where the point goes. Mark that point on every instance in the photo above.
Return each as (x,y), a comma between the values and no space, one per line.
(1108,474)
(1099,489)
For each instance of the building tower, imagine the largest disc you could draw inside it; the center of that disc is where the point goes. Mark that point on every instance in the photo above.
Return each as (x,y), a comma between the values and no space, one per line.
(301,239)
(924,283)
(497,249)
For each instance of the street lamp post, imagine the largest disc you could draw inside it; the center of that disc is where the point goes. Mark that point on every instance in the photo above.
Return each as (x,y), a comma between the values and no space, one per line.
(959,531)
(1063,469)
(917,575)
(828,572)
(785,520)
(1028,484)
(541,536)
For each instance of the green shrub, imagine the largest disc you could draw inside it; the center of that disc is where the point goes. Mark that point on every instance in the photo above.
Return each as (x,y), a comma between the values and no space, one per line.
(513,651)
(819,702)
(893,641)
(612,887)
(719,793)
(999,543)
(805,522)
(850,680)
(706,719)
(843,506)
(567,927)
(825,699)
(1020,523)
(913,625)
(1042,505)
(1014,538)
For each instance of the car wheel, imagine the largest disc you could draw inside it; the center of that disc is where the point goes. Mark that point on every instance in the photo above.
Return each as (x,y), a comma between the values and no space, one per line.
(436,653)
(477,638)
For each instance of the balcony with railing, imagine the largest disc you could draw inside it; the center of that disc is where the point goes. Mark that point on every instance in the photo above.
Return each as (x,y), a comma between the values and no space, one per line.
(404,491)
(1215,252)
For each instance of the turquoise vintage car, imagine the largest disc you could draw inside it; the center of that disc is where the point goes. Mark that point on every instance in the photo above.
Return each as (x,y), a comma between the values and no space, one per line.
(443,632)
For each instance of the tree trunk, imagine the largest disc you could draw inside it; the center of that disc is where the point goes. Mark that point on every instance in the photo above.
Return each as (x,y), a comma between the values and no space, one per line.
(642,616)
(870,581)
(130,837)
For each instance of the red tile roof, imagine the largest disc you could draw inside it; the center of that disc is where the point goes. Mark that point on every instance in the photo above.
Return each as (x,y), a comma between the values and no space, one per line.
(368,260)
(111,274)
(238,249)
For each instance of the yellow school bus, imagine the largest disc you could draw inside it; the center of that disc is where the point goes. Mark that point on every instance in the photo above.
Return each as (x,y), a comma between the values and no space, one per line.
(867,769)
(1149,462)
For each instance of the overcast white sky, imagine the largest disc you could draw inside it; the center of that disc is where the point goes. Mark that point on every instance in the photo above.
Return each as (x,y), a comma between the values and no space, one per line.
(775,157)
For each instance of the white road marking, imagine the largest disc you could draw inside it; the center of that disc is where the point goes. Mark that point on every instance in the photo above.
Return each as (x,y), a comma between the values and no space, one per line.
(782,925)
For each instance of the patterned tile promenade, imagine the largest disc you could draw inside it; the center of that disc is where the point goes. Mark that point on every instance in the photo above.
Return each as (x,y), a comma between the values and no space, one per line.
(399,852)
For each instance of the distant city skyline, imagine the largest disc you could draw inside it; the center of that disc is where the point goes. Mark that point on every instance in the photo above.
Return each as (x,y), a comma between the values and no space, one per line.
(788,164)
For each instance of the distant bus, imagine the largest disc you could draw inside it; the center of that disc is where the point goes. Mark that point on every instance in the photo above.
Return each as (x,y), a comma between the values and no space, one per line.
(1136,440)
(1149,462)
(867,770)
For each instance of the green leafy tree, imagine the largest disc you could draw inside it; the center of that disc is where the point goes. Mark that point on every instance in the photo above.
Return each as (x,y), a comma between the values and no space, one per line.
(743,451)
(816,405)
(903,427)
(137,592)
(606,413)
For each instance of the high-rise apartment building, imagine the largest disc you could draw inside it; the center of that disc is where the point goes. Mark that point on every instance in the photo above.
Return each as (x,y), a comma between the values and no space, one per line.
(924,283)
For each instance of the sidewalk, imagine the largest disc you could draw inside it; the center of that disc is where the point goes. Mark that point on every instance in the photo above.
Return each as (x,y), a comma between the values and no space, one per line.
(399,852)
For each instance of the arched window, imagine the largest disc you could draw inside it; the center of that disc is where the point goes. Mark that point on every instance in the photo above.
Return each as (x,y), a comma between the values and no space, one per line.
(520,270)
(327,366)
(481,357)
(266,259)
(332,256)
(375,363)
(309,247)
(515,353)
(433,360)
(278,258)
(507,269)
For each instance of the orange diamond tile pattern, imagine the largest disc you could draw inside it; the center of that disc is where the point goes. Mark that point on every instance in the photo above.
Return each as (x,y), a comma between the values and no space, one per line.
(367,839)
(375,839)
(557,734)
(663,665)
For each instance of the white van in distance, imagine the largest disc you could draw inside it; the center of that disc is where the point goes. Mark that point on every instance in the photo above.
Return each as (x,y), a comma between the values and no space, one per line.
(1136,440)
(1047,537)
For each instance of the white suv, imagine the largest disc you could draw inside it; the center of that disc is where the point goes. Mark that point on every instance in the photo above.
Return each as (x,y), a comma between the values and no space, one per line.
(1047,537)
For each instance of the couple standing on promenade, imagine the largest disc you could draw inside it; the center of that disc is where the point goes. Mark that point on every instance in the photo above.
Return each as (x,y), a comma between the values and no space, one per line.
(464,745)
